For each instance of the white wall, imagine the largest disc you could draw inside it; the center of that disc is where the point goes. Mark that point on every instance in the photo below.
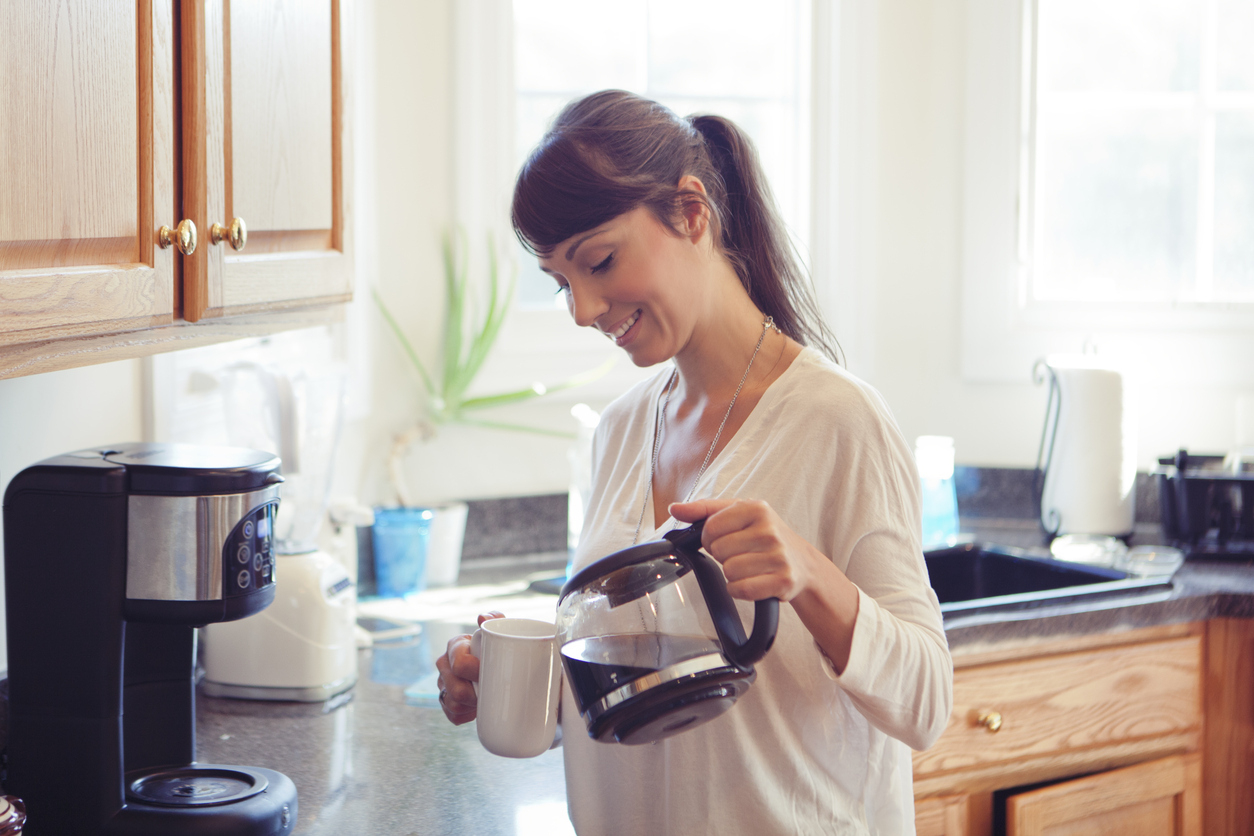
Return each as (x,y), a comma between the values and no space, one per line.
(57,412)
(919,261)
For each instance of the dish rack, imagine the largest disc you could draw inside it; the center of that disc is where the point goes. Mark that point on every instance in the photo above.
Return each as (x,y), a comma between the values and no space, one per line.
(1207,504)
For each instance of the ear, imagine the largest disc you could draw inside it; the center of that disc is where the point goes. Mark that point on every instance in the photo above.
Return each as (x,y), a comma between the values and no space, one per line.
(695,218)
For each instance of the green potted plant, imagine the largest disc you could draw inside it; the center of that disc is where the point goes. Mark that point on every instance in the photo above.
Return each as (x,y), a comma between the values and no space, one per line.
(470,331)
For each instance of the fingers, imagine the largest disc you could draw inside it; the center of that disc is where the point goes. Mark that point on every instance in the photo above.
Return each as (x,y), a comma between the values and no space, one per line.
(459,670)
(697,509)
(457,695)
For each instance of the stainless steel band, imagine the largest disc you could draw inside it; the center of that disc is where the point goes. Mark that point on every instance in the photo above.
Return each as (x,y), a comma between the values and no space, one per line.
(688,667)
(165,532)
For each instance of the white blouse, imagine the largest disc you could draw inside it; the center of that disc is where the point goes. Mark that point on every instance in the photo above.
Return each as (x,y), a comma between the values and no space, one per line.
(804,751)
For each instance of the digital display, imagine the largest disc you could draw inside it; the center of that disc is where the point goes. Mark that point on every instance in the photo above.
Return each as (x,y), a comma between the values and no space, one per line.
(263,527)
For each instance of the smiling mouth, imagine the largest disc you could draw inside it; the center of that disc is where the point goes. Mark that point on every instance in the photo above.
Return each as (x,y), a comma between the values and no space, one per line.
(618,333)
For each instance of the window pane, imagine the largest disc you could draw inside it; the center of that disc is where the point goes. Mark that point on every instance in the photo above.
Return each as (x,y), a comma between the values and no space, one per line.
(736,58)
(568,46)
(705,48)
(1235,44)
(1116,198)
(1234,206)
(1126,45)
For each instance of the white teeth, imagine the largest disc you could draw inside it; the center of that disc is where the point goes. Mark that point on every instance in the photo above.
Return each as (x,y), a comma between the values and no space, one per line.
(626,326)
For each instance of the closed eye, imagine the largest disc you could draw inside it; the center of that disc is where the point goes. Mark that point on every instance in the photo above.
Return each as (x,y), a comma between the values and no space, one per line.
(604,265)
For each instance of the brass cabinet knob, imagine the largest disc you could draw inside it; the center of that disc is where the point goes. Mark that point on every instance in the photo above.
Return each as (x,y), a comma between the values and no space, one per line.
(236,234)
(183,237)
(990,720)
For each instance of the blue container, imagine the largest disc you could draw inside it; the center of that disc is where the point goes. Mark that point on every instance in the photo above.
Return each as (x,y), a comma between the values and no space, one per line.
(940,513)
(399,537)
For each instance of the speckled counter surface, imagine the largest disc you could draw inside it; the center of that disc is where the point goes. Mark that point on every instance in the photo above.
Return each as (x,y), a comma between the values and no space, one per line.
(373,763)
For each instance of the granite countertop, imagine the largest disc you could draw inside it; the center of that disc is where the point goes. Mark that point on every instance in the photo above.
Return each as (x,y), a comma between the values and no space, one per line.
(383,760)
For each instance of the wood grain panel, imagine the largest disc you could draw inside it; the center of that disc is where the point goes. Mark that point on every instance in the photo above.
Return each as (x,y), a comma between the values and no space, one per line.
(67,351)
(281,86)
(67,126)
(1070,702)
(269,139)
(1010,650)
(195,182)
(1229,766)
(1159,797)
(947,816)
(68,252)
(1055,765)
(86,115)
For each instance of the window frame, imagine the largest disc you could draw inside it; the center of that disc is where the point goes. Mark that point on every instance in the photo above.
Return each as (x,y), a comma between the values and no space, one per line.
(541,344)
(1003,330)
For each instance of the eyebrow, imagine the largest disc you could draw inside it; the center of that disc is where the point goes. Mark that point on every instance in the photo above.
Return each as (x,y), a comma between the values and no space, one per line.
(570,252)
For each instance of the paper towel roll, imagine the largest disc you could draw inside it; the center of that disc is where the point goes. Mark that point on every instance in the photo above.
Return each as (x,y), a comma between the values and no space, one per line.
(1090,469)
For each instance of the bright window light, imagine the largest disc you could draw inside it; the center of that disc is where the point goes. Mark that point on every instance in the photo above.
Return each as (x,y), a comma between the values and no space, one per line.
(743,59)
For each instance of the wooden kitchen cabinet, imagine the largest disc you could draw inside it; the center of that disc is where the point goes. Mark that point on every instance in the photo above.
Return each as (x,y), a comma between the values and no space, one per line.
(264,142)
(954,815)
(1159,798)
(87,155)
(120,117)
(1042,714)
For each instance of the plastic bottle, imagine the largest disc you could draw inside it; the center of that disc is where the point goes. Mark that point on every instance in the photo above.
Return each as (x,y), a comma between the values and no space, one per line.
(934,455)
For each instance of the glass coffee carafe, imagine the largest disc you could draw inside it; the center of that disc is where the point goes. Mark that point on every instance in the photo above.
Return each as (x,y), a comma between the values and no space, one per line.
(651,641)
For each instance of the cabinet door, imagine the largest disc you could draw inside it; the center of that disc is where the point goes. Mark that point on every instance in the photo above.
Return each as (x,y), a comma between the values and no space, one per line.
(1158,797)
(265,140)
(953,815)
(86,167)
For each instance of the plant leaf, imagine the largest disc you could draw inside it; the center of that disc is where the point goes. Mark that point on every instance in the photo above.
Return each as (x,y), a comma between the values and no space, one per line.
(455,288)
(405,343)
(537,390)
(520,428)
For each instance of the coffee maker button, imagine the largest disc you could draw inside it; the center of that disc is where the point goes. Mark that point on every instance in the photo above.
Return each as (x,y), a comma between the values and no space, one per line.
(243,554)
(244,579)
(248,528)
(257,563)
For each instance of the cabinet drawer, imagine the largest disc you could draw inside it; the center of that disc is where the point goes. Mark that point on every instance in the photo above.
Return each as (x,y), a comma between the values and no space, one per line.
(1069,703)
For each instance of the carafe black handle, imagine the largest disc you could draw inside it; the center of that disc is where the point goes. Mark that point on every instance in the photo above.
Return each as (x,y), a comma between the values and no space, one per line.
(742,651)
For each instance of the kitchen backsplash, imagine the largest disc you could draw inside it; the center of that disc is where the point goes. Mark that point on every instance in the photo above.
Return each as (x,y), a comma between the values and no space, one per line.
(534,524)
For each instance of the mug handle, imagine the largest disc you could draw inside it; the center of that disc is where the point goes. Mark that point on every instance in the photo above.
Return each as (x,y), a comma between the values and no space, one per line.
(476,650)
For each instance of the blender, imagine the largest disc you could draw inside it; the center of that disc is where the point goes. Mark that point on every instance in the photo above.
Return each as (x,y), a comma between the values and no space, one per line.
(304,647)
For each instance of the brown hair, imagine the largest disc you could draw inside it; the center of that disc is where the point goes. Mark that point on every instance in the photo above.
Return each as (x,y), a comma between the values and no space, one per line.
(611,152)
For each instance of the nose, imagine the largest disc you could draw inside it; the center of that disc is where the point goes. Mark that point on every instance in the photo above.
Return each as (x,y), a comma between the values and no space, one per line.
(584,304)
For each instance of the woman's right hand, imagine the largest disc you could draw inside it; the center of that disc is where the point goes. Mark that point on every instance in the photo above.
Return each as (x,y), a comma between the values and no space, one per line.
(459,670)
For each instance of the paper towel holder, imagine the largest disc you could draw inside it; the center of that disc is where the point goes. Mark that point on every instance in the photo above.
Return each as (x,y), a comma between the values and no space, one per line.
(1088,488)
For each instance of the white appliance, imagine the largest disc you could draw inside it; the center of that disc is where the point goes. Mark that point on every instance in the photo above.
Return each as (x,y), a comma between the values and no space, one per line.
(305,648)
(1088,448)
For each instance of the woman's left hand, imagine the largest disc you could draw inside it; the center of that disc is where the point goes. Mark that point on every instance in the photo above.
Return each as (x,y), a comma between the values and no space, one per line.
(762,557)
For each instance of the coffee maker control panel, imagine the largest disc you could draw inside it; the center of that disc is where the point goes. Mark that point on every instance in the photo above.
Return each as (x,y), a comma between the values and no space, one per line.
(248,554)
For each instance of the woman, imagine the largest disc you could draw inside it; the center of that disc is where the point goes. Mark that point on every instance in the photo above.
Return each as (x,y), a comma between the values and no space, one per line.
(661,233)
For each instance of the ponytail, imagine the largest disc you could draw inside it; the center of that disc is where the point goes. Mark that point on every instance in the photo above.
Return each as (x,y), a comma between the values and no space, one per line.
(754,239)
(611,152)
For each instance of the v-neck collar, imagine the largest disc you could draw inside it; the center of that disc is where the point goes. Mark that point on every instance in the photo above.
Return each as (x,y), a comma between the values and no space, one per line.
(745,430)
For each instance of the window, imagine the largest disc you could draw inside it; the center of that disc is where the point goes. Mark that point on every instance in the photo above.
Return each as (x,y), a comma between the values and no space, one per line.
(798,75)
(1142,151)
(1109,187)
(743,59)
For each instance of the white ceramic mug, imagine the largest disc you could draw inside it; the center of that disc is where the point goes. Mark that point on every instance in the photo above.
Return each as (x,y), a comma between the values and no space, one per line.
(519,686)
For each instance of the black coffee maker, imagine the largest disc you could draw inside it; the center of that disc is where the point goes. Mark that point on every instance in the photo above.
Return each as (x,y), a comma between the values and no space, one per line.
(112,558)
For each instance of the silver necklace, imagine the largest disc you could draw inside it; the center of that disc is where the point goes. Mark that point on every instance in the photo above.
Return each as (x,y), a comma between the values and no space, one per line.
(660,422)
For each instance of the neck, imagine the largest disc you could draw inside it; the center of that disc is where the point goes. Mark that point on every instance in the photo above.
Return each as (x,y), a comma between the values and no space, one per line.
(713,362)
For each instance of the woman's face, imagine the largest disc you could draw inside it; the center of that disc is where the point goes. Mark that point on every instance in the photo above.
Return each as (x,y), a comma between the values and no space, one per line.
(632,279)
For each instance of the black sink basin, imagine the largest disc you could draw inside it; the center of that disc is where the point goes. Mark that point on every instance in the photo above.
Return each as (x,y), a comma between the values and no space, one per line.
(974,578)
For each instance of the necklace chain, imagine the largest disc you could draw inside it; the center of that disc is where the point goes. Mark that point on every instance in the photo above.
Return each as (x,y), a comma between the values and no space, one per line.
(767,324)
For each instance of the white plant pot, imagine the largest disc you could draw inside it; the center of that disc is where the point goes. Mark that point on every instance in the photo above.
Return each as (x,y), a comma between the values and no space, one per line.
(444,547)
